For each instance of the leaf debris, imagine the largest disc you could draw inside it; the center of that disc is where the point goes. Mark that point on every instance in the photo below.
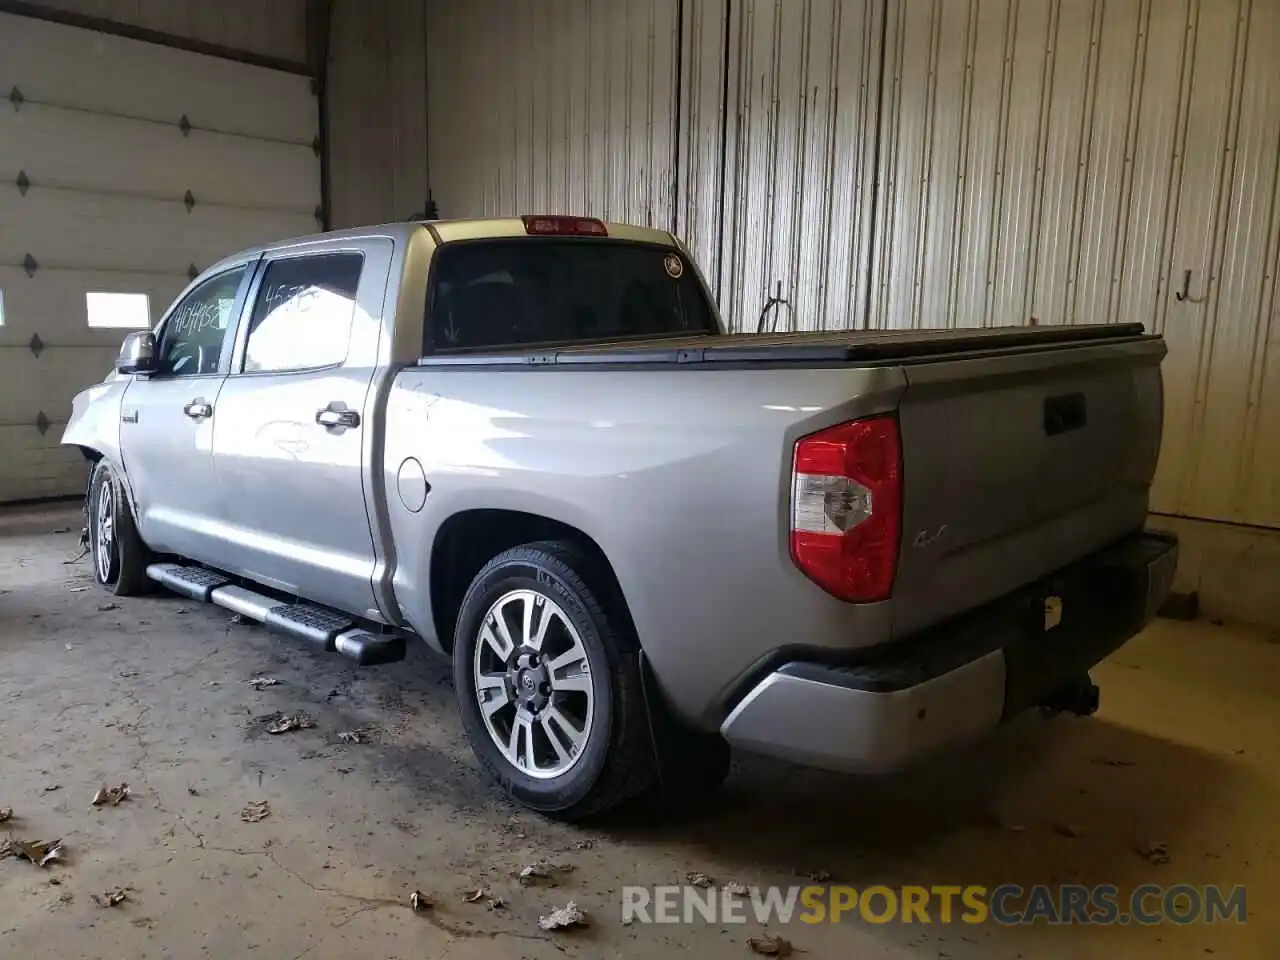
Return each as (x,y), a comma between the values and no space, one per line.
(111,795)
(568,917)
(110,898)
(255,811)
(770,946)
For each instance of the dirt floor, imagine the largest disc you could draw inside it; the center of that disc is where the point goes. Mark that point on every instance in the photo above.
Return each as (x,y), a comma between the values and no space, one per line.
(153,693)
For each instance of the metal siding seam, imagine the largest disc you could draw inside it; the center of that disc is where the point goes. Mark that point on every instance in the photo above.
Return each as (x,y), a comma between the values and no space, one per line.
(1029,305)
(794,290)
(1084,159)
(1133,124)
(1268,306)
(1226,185)
(883,246)
(998,177)
(926,165)
(959,222)
(829,174)
(1177,146)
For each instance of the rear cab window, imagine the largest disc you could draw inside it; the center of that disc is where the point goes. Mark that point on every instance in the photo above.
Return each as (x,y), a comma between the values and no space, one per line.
(541,290)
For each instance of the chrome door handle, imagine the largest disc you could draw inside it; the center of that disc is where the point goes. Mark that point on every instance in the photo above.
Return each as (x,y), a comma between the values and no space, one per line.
(329,417)
(198,409)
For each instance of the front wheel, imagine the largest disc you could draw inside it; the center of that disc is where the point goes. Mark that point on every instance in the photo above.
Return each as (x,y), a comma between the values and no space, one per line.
(549,684)
(119,556)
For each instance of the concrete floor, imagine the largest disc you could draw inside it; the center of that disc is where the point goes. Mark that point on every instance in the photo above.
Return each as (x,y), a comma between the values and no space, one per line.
(152,692)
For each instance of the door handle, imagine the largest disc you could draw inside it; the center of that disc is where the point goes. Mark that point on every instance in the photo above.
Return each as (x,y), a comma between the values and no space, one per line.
(198,409)
(330,417)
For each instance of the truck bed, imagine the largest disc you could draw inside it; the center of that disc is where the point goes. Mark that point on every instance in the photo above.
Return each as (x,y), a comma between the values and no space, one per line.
(864,347)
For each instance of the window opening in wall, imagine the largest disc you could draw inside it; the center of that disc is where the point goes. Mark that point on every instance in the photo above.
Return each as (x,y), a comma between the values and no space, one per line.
(118,310)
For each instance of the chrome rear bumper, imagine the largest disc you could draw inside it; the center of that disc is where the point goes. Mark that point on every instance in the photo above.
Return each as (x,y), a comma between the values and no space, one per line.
(961,679)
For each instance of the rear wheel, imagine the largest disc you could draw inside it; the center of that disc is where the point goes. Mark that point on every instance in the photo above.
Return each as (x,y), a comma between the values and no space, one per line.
(119,556)
(549,683)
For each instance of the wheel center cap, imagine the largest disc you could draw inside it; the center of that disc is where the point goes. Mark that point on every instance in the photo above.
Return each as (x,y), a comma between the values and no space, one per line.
(527,682)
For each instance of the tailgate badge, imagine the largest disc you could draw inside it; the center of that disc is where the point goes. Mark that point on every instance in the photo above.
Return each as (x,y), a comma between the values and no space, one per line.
(1052,612)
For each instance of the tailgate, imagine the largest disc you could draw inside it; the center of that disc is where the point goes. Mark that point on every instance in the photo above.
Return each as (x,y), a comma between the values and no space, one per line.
(1017,463)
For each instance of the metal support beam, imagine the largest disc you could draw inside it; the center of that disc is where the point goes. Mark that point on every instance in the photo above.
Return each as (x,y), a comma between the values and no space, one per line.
(24,8)
(319,32)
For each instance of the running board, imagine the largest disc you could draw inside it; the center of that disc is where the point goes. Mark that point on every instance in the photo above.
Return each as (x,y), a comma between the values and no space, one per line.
(319,626)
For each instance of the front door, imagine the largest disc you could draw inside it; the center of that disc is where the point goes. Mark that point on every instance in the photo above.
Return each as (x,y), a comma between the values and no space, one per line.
(289,443)
(167,420)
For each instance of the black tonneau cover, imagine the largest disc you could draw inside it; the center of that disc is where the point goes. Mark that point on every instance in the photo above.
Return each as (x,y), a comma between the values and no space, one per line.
(836,347)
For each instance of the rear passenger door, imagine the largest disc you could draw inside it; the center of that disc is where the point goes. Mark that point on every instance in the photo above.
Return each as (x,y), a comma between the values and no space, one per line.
(291,444)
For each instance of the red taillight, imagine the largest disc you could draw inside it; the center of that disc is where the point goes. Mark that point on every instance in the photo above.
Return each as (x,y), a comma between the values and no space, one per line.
(846,508)
(564,227)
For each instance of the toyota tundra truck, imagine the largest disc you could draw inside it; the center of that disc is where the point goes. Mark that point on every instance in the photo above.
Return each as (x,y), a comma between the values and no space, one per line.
(531,445)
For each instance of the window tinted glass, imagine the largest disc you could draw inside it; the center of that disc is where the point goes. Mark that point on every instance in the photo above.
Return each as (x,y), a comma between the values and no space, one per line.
(194,336)
(512,292)
(302,318)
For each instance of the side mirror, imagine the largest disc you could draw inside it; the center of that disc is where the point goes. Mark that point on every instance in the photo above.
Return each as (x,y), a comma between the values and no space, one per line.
(137,353)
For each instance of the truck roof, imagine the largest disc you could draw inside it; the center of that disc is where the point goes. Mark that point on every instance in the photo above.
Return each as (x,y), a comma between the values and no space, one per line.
(449,231)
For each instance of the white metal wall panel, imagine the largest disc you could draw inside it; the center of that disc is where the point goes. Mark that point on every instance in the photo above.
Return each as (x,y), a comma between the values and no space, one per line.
(377,112)
(798,183)
(94,135)
(542,105)
(273,28)
(1068,161)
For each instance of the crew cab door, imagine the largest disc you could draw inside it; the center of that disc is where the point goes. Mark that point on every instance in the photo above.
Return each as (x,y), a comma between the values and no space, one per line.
(291,445)
(167,419)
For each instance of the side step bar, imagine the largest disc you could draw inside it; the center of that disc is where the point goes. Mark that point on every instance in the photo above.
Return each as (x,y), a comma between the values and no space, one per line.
(327,629)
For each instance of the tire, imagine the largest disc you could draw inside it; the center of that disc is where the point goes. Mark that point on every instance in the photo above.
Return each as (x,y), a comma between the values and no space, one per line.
(584,744)
(118,554)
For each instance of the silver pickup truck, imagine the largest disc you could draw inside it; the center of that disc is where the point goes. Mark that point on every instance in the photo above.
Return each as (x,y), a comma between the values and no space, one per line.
(531,445)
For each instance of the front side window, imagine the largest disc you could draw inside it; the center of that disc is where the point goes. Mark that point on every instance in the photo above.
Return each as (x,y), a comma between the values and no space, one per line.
(498,293)
(195,334)
(302,318)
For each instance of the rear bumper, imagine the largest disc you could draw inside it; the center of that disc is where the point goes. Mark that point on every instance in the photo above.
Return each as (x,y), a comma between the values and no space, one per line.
(955,681)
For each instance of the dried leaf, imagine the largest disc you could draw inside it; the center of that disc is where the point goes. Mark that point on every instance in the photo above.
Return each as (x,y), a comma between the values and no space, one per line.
(770,946)
(111,795)
(543,870)
(820,876)
(107,607)
(255,811)
(495,903)
(1068,831)
(1114,762)
(297,721)
(564,918)
(736,889)
(110,898)
(259,682)
(700,880)
(40,852)
(1156,852)
(52,787)
(583,844)
(419,901)
(6,814)
(354,736)
(476,895)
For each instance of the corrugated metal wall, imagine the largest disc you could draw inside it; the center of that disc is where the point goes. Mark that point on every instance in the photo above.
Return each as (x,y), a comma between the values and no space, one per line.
(538,105)
(272,28)
(1036,161)
(795,152)
(377,116)
(1069,161)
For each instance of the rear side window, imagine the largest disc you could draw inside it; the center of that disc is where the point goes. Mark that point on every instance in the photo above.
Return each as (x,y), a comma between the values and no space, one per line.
(302,316)
(499,293)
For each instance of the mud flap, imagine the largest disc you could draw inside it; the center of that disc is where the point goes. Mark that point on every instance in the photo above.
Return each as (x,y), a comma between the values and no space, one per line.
(690,764)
